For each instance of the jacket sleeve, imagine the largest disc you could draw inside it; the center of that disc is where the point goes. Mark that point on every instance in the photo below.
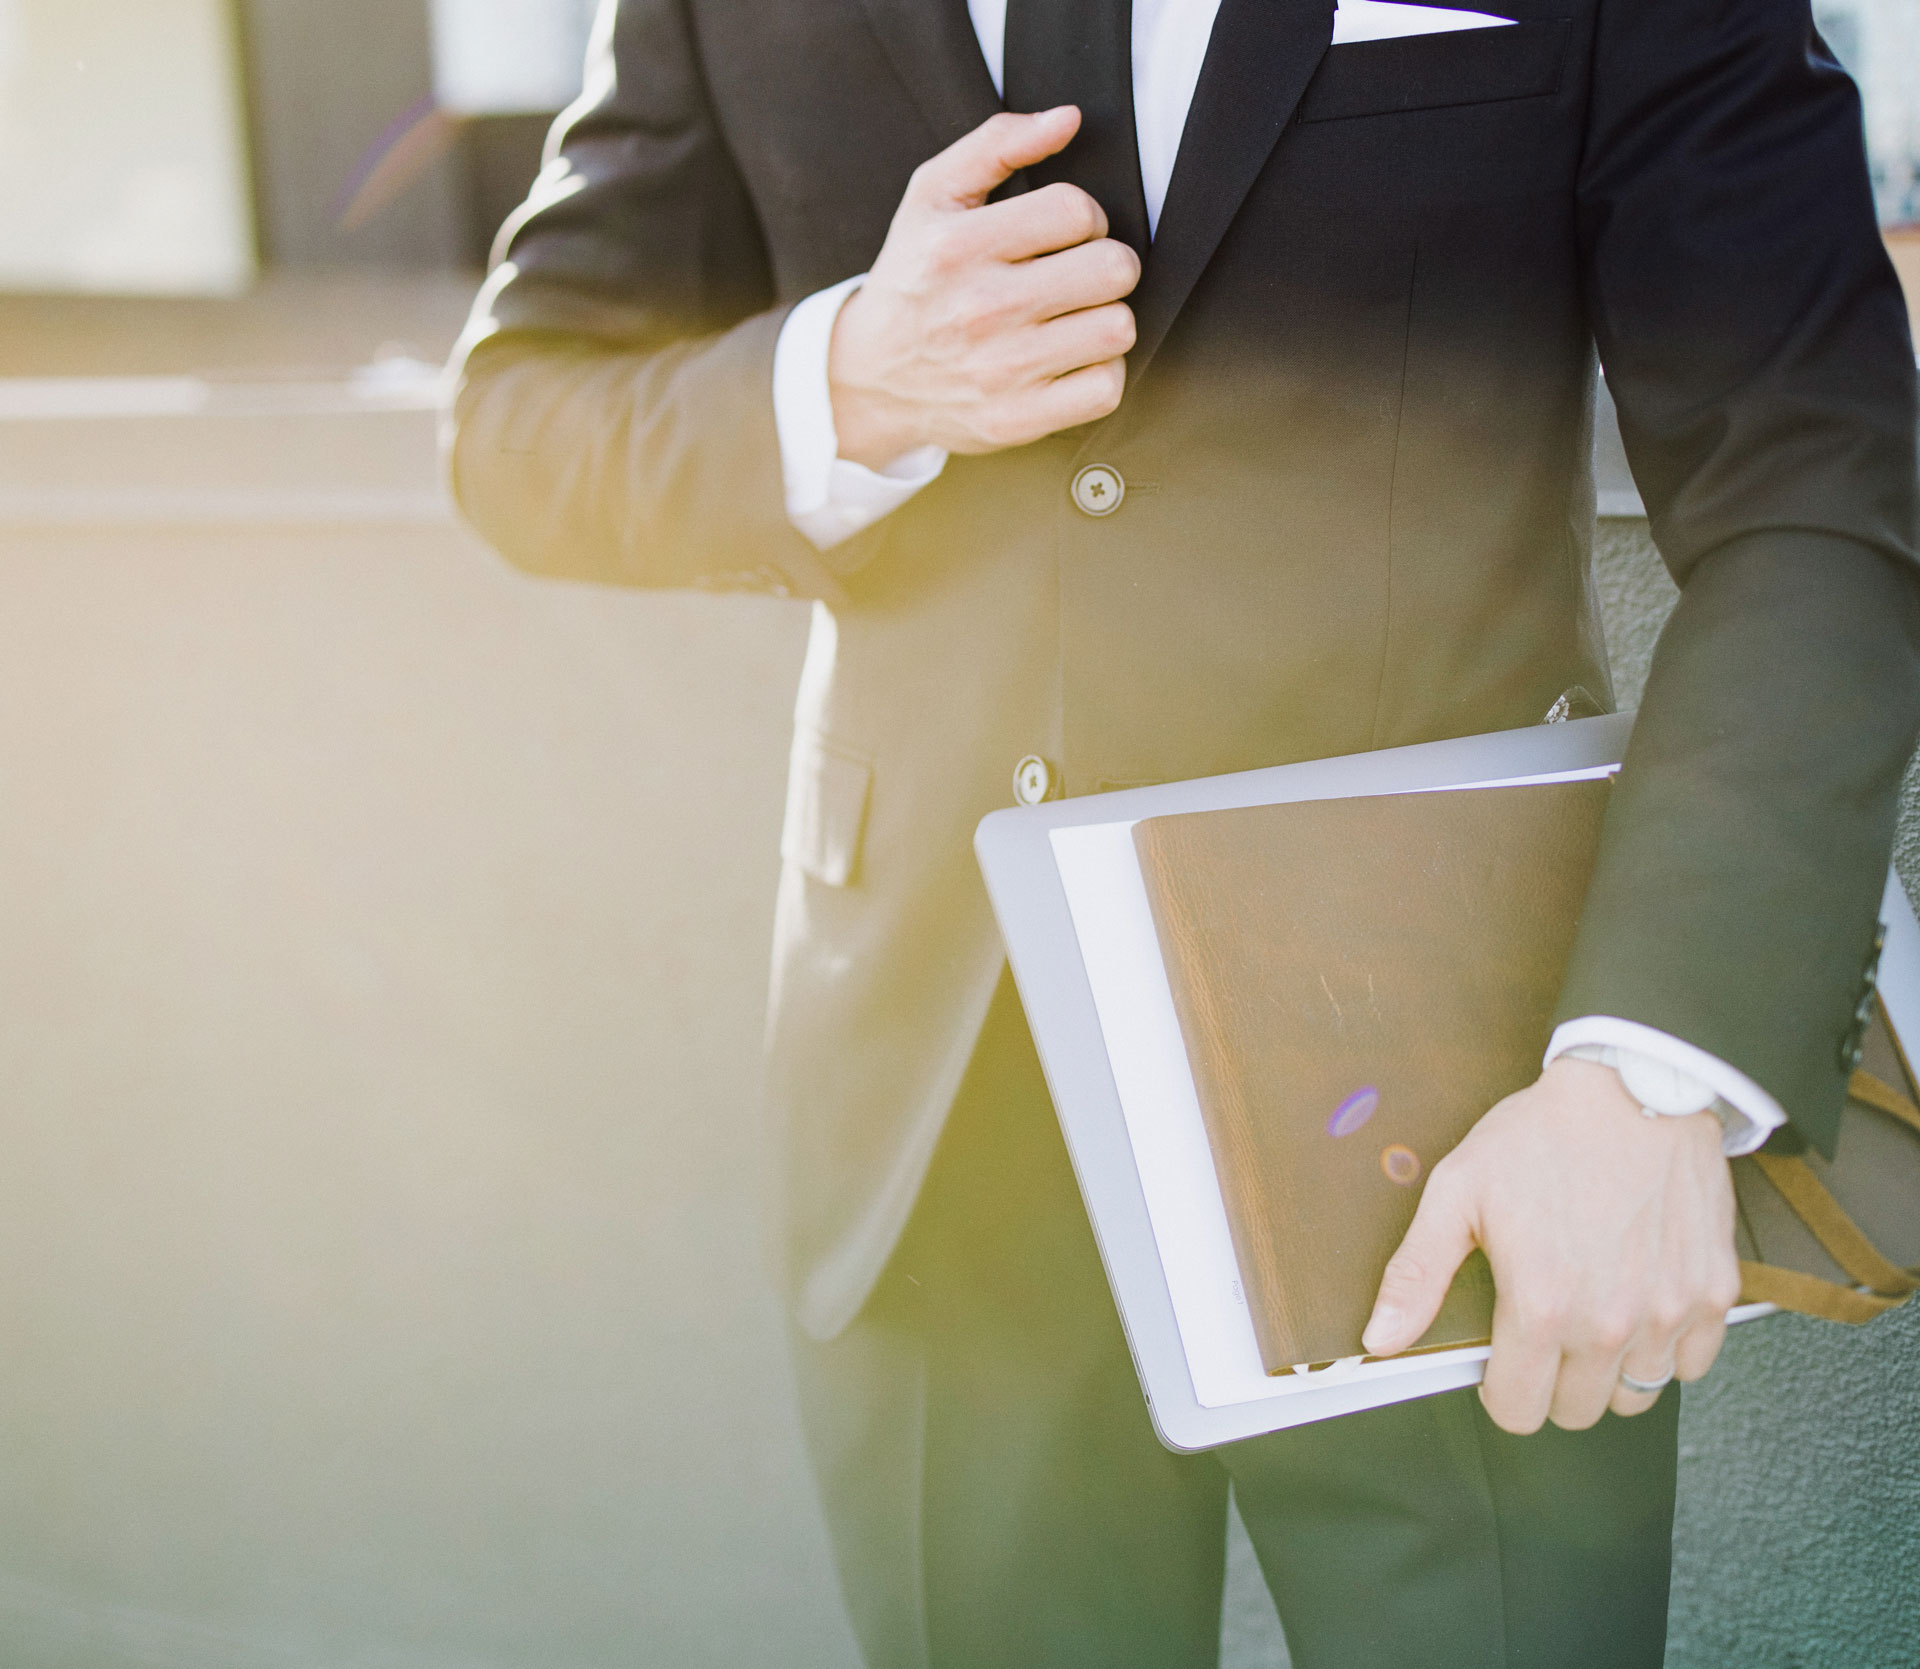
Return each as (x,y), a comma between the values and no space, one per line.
(612,413)
(1755,340)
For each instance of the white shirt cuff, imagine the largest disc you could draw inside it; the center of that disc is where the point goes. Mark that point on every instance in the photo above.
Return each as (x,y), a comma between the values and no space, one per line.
(829,499)
(1752,1114)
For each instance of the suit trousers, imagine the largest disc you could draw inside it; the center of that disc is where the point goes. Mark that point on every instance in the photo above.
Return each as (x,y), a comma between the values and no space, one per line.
(997,1498)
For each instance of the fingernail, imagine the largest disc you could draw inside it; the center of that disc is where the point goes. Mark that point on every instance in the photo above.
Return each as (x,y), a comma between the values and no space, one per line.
(1381,1330)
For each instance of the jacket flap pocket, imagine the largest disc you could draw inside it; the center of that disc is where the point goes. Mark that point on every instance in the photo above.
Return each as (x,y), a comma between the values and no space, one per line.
(827,789)
(1427,72)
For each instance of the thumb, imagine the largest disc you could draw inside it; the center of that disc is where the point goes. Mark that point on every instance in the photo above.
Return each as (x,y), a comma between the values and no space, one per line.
(1419,1273)
(969,170)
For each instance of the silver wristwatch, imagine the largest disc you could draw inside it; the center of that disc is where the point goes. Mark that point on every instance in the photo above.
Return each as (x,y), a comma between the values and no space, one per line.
(1663,1091)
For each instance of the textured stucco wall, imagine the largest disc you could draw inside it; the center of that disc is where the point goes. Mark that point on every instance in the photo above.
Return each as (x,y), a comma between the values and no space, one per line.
(1798,1541)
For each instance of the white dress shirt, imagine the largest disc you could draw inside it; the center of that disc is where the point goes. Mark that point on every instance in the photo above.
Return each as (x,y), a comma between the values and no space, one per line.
(830,499)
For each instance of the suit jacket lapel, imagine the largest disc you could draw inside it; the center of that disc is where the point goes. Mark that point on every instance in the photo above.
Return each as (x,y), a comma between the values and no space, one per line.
(1262,55)
(933,49)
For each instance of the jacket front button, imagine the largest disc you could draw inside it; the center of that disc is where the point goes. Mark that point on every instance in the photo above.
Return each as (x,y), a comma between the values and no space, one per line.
(1032,780)
(1098,490)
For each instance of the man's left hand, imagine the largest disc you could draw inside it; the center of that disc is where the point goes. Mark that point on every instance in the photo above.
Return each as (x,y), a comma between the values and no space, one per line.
(1610,1235)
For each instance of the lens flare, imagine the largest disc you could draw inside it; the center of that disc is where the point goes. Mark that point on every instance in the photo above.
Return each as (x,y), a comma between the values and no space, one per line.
(1353,1112)
(1401,1164)
(411,144)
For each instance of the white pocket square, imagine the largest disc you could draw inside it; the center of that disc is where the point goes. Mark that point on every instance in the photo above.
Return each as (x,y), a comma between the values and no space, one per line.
(1384,20)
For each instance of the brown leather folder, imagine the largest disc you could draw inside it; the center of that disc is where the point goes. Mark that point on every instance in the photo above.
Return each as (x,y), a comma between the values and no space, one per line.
(1358,981)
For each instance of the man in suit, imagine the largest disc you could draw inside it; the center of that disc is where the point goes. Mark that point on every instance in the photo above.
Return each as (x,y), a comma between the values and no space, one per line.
(1223,400)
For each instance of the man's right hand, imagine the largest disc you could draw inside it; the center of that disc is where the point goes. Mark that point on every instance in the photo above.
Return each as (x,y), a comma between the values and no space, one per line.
(984,325)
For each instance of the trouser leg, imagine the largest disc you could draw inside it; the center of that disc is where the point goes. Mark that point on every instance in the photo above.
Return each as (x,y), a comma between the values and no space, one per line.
(994,1488)
(863,1416)
(1422,1533)
(1586,1537)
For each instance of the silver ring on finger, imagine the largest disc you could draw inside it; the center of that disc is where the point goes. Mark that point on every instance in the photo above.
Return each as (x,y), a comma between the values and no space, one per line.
(1646,1387)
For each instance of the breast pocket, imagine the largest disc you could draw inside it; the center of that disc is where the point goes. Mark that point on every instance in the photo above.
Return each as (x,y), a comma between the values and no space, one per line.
(827,791)
(1429,72)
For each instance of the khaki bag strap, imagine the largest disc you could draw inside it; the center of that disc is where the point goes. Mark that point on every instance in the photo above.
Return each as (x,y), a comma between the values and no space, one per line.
(1762,1283)
(1824,1216)
(1832,1227)
(1876,1093)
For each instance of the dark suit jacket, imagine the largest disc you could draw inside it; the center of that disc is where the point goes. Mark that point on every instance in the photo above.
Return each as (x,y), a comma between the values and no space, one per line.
(1358,441)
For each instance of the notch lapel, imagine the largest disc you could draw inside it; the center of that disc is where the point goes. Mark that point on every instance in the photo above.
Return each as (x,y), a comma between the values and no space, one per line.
(1259,61)
(933,50)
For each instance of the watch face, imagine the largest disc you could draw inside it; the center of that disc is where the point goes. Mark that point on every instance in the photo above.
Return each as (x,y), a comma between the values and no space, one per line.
(1661,1088)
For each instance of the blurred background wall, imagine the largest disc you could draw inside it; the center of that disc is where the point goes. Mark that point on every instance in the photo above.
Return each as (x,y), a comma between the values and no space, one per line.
(122,147)
(399,135)
(382,938)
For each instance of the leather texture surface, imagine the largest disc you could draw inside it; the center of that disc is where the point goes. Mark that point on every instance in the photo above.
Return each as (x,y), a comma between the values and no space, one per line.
(1358,981)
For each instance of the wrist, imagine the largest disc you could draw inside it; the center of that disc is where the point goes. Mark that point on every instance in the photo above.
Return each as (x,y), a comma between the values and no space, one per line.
(1659,1089)
(1676,1072)
(872,428)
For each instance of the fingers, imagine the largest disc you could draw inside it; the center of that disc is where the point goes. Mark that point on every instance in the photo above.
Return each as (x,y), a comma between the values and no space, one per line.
(1039,222)
(969,170)
(988,327)
(1678,1336)
(1084,284)
(1082,396)
(1089,276)
(1611,1241)
(1072,371)
(1089,337)
(1673,1332)
(1419,1273)
(1684,1325)
(1652,1359)
(1590,1372)
(1649,1368)
(1697,1349)
(1686,1356)
(1524,1369)
(1595,1361)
